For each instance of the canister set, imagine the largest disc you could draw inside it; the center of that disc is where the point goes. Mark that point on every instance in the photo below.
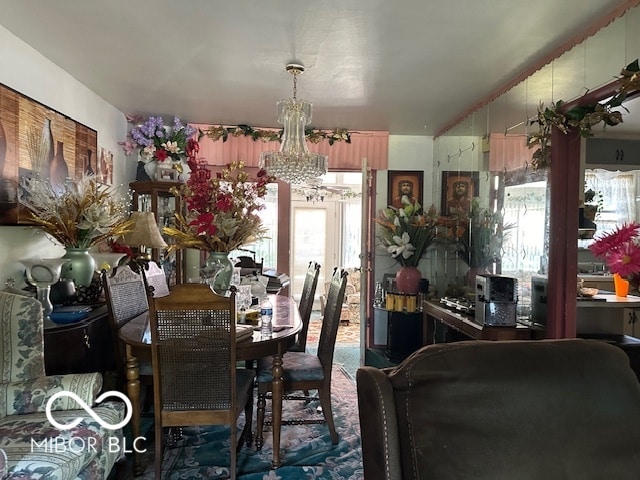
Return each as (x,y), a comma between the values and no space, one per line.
(403,302)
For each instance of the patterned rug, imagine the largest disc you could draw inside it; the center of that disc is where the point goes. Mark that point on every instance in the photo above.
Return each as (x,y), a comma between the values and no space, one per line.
(307,452)
(347,350)
(347,334)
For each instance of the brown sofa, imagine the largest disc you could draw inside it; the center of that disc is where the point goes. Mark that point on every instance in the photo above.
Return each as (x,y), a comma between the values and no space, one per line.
(550,409)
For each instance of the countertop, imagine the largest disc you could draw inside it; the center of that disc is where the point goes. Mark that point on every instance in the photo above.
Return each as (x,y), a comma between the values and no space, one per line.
(609,300)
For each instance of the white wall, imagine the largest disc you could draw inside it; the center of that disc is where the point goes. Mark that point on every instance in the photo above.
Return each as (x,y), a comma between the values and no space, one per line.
(406,152)
(28,72)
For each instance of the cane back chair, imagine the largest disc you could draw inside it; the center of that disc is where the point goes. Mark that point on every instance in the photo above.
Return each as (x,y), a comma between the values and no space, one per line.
(303,371)
(196,381)
(306,305)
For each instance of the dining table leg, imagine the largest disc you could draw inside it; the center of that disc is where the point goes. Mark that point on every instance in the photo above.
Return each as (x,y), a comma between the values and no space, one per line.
(277,387)
(132,373)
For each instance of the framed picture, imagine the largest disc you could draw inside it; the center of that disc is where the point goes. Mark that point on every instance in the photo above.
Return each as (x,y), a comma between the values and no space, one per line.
(458,189)
(404,187)
(37,140)
(165,173)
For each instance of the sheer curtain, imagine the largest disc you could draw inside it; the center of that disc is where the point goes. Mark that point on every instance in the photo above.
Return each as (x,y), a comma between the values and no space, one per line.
(618,190)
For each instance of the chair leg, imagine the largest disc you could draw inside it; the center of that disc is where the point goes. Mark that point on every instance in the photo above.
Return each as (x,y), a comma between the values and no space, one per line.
(233,431)
(247,435)
(262,403)
(325,402)
(158,450)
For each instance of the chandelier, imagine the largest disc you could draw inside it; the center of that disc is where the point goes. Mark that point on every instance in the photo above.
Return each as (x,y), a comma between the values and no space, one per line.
(293,163)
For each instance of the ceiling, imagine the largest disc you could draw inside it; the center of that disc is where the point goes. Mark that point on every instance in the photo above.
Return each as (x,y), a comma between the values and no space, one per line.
(409,67)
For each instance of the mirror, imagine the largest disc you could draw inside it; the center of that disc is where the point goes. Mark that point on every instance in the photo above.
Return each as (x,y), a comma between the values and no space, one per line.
(507,183)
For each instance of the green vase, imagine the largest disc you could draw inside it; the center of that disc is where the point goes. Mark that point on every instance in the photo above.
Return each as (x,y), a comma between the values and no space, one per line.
(217,272)
(80,267)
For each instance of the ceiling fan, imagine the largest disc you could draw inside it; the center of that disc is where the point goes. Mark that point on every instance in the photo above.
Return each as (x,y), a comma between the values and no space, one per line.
(314,191)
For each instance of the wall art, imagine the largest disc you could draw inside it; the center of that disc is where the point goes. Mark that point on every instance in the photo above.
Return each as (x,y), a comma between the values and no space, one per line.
(404,186)
(36,140)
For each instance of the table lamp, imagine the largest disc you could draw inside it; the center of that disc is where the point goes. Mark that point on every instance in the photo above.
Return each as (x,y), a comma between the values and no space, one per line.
(145,234)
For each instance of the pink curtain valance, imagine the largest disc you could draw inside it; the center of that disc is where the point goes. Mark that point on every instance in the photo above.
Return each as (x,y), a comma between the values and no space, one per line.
(508,152)
(374,146)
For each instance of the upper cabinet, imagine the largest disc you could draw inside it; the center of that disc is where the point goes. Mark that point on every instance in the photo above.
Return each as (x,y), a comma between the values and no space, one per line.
(612,152)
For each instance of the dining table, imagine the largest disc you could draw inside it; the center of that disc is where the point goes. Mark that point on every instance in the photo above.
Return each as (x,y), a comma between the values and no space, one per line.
(136,335)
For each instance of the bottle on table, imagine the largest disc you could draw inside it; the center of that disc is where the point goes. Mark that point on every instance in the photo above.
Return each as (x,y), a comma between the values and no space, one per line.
(266,317)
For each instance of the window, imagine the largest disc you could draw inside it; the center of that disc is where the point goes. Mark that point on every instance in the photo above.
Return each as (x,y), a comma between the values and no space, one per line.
(266,248)
(618,191)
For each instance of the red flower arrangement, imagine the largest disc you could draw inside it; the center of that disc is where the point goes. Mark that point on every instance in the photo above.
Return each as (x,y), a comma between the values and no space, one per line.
(222,209)
(620,249)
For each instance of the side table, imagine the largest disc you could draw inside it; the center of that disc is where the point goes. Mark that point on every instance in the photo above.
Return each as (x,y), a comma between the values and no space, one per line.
(405,333)
(80,347)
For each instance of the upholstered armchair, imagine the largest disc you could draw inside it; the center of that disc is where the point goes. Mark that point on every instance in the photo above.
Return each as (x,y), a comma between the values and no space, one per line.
(526,410)
(350,310)
(24,392)
(352,296)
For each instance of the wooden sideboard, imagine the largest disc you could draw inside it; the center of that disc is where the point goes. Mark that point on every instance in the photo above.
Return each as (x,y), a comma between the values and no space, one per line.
(80,347)
(444,325)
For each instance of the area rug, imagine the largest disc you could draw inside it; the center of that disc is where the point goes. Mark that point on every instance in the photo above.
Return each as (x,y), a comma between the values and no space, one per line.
(306,450)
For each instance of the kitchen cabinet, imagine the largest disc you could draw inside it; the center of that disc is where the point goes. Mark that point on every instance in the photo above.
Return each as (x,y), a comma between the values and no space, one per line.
(156,197)
(612,151)
(631,322)
(606,314)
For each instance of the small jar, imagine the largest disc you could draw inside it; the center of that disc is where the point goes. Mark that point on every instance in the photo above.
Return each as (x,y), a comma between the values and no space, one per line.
(399,302)
(390,300)
(410,302)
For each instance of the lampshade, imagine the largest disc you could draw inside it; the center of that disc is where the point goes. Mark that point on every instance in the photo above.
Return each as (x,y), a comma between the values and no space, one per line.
(293,163)
(145,231)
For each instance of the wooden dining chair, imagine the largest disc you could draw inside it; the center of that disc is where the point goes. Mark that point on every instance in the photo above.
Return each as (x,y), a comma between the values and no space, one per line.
(156,278)
(303,371)
(193,335)
(126,299)
(306,305)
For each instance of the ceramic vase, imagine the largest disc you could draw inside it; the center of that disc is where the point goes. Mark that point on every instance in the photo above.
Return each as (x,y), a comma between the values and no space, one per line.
(408,279)
(80,267)
(151,168)
(42,273)
(217,272)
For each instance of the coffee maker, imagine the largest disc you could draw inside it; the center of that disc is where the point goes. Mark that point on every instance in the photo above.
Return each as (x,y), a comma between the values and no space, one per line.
(496,300)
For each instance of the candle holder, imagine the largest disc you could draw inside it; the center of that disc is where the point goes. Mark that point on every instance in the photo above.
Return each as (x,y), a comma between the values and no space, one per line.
(42,273)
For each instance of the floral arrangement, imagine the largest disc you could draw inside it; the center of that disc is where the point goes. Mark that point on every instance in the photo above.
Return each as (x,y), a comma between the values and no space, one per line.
(620,249)
(216,133)
(406,233)
(156,141)
(78,215)
(222,210)
(582,117)
(477,235)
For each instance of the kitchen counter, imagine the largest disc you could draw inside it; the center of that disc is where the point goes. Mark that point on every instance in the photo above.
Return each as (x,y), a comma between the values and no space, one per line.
(609,300)
(601,282)
(606,313)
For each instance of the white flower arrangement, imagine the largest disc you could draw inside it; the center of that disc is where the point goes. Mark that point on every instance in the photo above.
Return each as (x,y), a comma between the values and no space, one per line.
(406,233)
(80,214)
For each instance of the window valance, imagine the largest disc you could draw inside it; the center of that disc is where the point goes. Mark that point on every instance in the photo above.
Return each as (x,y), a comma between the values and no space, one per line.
(372,145)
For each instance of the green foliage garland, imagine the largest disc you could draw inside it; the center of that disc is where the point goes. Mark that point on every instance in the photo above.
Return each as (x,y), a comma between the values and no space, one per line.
(582,117)
(313,135)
